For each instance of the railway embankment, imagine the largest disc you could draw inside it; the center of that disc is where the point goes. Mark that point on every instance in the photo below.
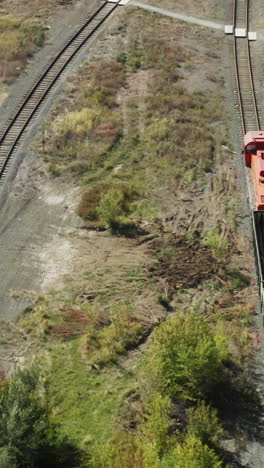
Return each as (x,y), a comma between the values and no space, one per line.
(140,283)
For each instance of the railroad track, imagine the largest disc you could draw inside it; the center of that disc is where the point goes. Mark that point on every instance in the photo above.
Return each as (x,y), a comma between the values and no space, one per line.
(249,117)
(243,78)
(18,123)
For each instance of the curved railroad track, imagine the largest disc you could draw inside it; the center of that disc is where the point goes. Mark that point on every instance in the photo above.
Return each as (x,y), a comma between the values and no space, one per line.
(243,79)
(17,124)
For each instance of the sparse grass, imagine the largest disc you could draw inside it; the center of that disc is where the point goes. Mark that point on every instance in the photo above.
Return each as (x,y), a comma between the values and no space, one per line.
(178,143)
(17,43)
(217,243)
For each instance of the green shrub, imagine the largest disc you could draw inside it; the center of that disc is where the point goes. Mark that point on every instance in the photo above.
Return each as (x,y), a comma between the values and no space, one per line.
(194,454)
(79,122)
(27,435)
(119,451)
(115,205)
(7,458)
(111,206)
(153,437)
(216,242)
(204,424)
(187,361)
(90,200)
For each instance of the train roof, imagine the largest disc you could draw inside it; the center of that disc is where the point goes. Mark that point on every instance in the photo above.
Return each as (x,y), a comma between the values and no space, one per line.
(253,137)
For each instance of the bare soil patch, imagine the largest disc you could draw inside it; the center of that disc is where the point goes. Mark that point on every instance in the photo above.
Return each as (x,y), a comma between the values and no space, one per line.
(182,264)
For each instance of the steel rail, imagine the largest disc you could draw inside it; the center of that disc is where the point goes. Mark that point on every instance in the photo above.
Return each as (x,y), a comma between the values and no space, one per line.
(241,73)
(239,94)
(18,123)
(251,69)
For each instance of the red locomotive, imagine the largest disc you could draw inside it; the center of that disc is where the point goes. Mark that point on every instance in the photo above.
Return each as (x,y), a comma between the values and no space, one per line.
(254,158)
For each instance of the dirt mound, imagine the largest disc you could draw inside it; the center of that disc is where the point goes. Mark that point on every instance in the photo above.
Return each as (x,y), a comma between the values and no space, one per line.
(182,263)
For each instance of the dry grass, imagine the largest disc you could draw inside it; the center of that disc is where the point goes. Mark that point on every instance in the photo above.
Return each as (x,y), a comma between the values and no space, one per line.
(164,137)
(17,43)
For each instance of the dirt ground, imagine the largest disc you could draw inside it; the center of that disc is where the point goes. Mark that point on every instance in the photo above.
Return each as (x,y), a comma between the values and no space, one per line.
(211,9)
(180,268)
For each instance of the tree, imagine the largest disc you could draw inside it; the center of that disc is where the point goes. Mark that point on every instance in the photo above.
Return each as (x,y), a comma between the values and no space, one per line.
(23,419)
(28,438)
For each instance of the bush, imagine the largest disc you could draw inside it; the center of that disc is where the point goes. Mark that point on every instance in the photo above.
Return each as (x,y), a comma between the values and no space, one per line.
(120,451)
(23,419)
(90,200)
(112,206)
(32,36)
(204,424)
(188,363)
(27,436)
(153,437)
(115,205)
(194,454)
(7,458)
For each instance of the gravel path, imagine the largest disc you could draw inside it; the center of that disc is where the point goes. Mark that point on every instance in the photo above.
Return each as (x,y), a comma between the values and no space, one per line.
(186,18)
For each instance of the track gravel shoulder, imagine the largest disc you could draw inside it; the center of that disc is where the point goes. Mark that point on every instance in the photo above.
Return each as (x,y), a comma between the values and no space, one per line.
(179,16)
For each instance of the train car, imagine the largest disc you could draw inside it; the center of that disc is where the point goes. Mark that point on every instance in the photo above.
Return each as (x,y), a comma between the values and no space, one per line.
(254,158)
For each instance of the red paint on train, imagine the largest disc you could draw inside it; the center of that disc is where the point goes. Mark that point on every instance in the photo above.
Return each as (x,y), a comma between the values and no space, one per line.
(254,158)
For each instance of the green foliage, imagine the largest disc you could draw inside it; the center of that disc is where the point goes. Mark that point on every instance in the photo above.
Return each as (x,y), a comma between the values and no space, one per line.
(186,357)
(194,454)
(126,330)
(120,450)
(164,300)
(237,279)
(90,200)
(153,437)
(204,424)
(160,130)
(28,438)
(115,205)
(112,206)
(78,122)
(23,419)
(216,242)
(7,458)
(234,326)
